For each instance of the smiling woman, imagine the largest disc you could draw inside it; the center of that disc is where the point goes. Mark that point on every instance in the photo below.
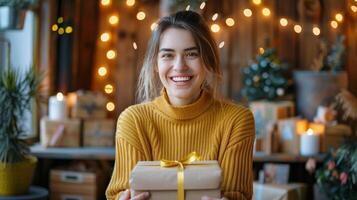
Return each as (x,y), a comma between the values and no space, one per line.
(182,62)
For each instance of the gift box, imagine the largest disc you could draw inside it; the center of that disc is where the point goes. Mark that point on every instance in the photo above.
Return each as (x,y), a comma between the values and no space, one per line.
(60,133)
(200,178)
(334,136)
(266,112)
(87,104)
(289,131)
(98,133)
(291,191)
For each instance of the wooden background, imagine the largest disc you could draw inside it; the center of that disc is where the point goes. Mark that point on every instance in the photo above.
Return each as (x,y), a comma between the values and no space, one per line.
(242,41)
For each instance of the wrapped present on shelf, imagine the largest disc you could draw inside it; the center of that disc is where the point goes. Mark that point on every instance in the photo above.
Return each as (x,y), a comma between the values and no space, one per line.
(333,136)
(291,191)
(60,133)
(87,104)
(266,112)
(289,131)
(98,132)
(200,178)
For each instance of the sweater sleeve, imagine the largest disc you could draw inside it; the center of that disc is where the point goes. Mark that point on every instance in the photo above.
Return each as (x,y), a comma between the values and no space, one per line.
(237,161)
(127,154)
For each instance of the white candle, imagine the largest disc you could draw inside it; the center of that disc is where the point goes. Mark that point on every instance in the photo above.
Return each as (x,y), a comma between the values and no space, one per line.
(57,107)
(309,143)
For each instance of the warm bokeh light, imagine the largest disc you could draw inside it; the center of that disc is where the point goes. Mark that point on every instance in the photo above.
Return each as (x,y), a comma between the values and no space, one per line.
(316,31)
(68,29)
(297,28)
(130,2)
(214,17)
(354,8)
(135,46)
(54,27)
(60,31)
(110,106)
(221,45)
(202,6)
(59,96)
(113,20)
(188,7)
(261,50)
(108,88)
(105,37)
(257,2)
(111,54)
(105,2)
(247,12)
(141,15)
(102,71)
(283,22)
(215,28)
(230,21)
(266,12)
(153,26)
(60,20)
(339,17)
(334,24)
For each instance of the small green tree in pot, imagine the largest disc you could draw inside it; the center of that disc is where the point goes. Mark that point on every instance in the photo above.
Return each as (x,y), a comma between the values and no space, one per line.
(17,90)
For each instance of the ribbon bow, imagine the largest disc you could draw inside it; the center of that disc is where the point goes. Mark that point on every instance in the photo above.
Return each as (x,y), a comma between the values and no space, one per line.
(193,156)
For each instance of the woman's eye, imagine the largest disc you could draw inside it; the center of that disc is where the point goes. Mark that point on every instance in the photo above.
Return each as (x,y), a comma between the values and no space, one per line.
(192,54)
(166,55)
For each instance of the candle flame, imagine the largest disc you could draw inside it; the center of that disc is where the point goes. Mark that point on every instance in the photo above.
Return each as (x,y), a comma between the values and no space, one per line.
(59,96)
(310,131)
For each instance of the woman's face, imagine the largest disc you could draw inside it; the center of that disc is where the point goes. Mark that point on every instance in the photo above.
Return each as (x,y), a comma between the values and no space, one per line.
(180,66)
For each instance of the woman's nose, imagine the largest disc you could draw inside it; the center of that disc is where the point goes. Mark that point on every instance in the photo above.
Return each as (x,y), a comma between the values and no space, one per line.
(180,64)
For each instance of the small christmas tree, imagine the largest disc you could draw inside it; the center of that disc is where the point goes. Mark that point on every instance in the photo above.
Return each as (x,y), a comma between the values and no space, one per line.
(264,79)
(334,59)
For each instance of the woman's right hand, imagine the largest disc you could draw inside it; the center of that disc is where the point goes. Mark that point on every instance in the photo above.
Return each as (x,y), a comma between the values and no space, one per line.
(126,196)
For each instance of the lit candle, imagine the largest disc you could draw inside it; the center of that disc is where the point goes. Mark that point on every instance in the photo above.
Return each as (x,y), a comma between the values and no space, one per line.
(57,107)
(309,143)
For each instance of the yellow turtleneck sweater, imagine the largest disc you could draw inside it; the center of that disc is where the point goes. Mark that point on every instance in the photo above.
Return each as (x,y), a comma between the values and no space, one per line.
(158,130)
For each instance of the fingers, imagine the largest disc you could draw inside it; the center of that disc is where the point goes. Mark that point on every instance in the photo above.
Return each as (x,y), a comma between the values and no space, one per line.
(142,196)
(124,195)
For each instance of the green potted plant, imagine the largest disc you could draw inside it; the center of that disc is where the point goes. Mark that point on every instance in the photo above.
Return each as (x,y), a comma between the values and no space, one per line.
(17,90)
(13,12)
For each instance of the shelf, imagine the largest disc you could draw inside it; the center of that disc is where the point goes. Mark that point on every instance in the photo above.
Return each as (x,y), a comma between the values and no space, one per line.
(108,153)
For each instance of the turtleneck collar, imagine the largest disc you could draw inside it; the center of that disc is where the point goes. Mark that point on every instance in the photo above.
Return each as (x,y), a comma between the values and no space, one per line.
(185,112)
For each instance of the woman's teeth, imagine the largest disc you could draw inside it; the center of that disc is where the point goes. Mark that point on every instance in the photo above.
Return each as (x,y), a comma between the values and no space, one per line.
(181,78)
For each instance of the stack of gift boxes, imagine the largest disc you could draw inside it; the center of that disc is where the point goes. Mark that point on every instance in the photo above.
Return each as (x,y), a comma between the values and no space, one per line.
(80,119)
(279,130)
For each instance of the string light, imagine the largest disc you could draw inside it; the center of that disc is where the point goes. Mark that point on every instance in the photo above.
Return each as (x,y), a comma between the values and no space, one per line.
(257,2)
(221,45)
(60,20)
(102,71)
(316,31)
(108,88)
(214,17)
(202,6)
(153,26)
(230,21)
(188,7)
(141,15)
(113,20)
(283,22)
(135,46)
(247,12)
(54,27)
(266,12)
(130,2)
(297,28)
(111,54)
(261,50)
(339,17)
(354,8)
(105,37)
(110,106)
(60,31)
(105,2)
(334,24)
(68,29)
(215,28)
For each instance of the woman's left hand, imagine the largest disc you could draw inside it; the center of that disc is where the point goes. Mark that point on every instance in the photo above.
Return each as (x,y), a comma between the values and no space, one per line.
(211,198)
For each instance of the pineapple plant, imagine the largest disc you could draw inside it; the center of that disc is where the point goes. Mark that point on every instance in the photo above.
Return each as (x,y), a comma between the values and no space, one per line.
(17,90)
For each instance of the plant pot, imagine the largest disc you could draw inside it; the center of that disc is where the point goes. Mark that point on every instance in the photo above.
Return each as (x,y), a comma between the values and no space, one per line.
(11,18)
(16,178)
(317,88)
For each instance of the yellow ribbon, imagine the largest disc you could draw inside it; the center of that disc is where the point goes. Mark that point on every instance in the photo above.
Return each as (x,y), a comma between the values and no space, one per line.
(193,156)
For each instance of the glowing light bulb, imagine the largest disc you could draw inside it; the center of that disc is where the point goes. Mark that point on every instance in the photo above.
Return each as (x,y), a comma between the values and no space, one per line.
(102,71)
(111,54)
(108,88)
(316,31)
(257,2)
(354,8)
(60,20)
(135,46)
(339,17)
(214,17)
(105,37)
(266,12)
(202,6)
(130,2)
(68,29)
(283,22)
(297,28)
(221,45)
(188,7)
(113,20)
(60,31)
(54,27)
(110,106)
(247,12)
(105,2)
(141,15)
(334,24)
(261,50)
(230,22)
(215,28)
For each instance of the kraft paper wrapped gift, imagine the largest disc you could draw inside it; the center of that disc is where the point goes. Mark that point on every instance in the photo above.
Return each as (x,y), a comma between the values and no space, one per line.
(87,104)
(200,178)
(291,191)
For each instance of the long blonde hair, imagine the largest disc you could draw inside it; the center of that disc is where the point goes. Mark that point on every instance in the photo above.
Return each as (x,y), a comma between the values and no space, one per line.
(149,84)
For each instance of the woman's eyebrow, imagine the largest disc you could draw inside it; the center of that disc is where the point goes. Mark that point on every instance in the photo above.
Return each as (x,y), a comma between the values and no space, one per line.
(166,49)
(172,50)
(191,48)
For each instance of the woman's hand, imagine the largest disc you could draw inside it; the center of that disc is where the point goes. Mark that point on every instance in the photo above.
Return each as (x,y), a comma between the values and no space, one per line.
(126,196)
(211,198)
